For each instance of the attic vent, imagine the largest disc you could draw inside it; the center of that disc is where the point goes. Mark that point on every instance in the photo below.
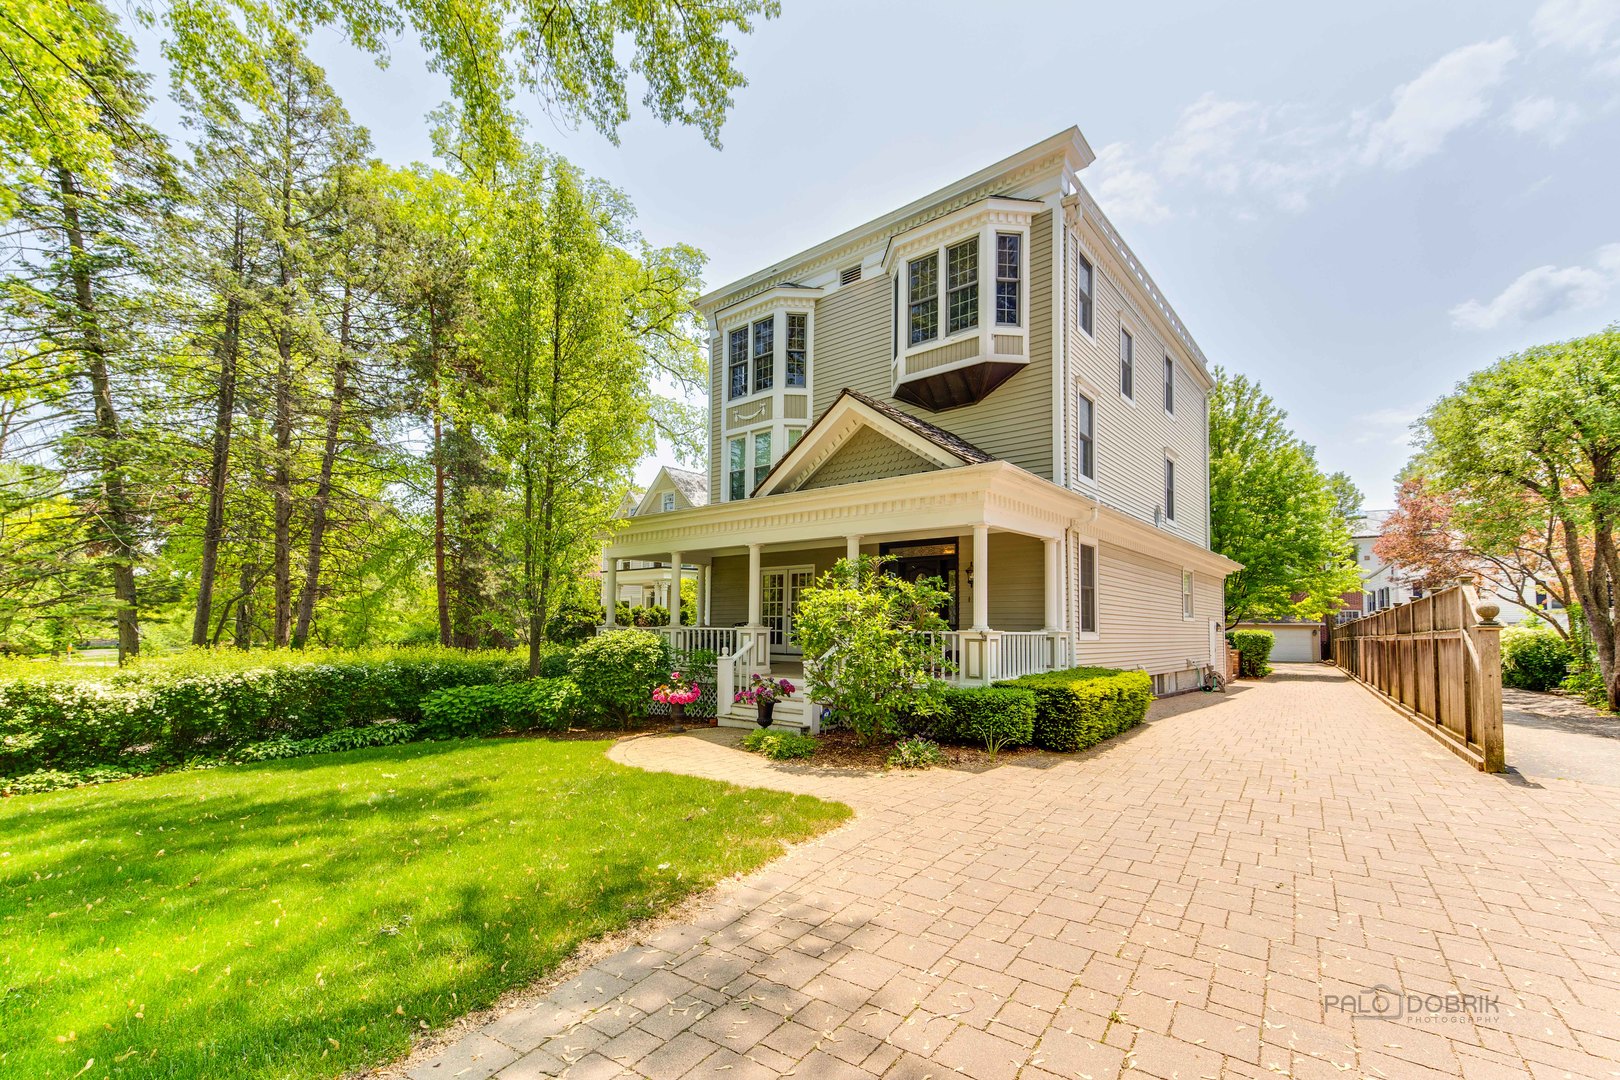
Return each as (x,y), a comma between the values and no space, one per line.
(850,275)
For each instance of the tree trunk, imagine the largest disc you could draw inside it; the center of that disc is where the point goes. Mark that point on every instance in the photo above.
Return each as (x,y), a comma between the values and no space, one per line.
(118,518)
(281,481)
(548,500)
(219,465)
(441,586)
(323,486)
(244,608)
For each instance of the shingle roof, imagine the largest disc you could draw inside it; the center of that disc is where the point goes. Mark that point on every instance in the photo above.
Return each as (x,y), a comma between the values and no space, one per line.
(945,440)
(693,485)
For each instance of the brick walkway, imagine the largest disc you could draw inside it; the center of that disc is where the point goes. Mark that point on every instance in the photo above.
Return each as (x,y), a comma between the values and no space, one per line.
(1175,904)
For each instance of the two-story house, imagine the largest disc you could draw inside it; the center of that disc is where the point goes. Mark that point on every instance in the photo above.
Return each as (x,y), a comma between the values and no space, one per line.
(985,385)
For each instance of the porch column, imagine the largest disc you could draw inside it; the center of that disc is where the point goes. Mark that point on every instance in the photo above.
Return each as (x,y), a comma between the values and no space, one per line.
(981,577)
(675,588)
(852,550)
(753,584)
(610,590)
(1053,590)
(700,617)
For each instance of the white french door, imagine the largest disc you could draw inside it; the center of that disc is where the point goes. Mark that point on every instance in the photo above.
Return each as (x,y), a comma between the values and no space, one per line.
(778,597)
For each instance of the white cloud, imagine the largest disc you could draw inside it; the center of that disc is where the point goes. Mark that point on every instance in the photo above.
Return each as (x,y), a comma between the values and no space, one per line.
(1543,292)
(1553,120)
(1450,94)
(1126,190)
(1581,25)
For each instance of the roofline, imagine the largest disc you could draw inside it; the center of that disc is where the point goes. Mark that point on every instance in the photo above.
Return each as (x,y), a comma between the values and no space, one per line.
(1069,140)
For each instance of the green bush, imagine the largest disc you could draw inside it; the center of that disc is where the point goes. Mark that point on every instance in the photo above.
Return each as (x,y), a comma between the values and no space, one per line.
(157,713)
(997,716)
(1083,706)
(779,745)
(616,672)
(460,712)
(335,742)
(1534,657)
(916,753)
(1254,651)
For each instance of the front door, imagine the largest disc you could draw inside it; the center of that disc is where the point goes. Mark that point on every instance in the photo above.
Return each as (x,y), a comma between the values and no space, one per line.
(778,597)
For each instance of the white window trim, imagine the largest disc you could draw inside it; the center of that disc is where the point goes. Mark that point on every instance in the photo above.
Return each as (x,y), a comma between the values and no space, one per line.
(1168,490)
(1119,362)
(1081,250)
(1082,388)
(667,502)
(1167,387)
(1094,634)
(729,440)
(1189,595)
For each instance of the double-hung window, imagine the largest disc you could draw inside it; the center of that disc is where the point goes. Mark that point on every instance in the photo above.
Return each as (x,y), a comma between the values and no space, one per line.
(1186,594)
(1169,385)
(764,353)
(1170,488)
(762,455)
(738,462)
(1008,272)
(796,369)
(922,291)
(1127,363)
(1082,291)
(669,501)
(737,362)
(1088,589)
(962,285)
(1085,423)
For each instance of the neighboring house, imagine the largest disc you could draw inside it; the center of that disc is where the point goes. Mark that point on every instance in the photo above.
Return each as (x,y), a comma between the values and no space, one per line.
(987,386)
(1384,585)
(1295,641)
(647,582)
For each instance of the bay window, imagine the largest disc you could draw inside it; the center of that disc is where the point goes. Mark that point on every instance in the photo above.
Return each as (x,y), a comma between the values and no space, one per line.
(962,285)
(762,455)
(796,370)
(764,353)
(1008,273)
(738,474)
(923,293)
(737,362)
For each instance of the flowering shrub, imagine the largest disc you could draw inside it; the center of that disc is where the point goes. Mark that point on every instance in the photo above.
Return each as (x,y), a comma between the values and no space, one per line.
(678,691)
(763,691)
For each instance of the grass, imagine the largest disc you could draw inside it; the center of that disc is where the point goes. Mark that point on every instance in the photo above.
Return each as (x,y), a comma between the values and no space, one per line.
(307,917)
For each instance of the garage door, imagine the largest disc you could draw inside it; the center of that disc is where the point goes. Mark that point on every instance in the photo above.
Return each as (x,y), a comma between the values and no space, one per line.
(1295,645)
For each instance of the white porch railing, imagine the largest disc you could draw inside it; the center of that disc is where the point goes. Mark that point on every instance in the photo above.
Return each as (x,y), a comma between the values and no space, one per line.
(944,651)
(720,640)
(1028,652)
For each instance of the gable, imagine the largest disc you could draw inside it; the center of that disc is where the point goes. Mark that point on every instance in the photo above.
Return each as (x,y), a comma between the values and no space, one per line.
(867,455)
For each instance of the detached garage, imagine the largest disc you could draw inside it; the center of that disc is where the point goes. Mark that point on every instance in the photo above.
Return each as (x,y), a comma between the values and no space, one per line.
(1297,643)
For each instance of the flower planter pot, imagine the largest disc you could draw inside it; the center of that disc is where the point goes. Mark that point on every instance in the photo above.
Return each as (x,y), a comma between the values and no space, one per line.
(677,712)
(765,709)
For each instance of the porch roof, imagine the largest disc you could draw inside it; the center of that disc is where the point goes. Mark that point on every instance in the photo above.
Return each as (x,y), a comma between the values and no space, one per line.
(997,494)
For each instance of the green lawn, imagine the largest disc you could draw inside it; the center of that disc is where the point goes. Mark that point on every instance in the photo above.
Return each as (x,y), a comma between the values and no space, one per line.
(304,917)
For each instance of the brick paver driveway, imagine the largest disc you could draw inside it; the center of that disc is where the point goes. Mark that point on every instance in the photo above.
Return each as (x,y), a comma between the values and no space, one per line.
(1176,904)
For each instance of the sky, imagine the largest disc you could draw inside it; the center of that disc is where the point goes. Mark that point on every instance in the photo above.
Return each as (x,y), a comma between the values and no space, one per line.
(1355,204)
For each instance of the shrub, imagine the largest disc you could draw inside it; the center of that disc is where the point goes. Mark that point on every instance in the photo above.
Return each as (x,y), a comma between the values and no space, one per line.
(1254,652)
(466,711)
(916,753)
(779,745)
(1534,657)
(161,712)
(1081,707)
(996,716)
(335,742)
(616,672)
(856,626)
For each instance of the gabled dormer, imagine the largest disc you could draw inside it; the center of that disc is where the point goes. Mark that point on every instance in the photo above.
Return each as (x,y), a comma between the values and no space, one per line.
(673,489)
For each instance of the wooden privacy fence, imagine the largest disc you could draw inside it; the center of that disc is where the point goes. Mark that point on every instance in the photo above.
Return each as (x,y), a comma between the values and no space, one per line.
(1439,661)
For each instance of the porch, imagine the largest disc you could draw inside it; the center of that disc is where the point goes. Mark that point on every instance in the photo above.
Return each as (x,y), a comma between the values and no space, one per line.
(1007,614)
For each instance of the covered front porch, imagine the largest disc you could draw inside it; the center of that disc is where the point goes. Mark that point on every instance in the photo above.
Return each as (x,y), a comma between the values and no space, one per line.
(1001,555)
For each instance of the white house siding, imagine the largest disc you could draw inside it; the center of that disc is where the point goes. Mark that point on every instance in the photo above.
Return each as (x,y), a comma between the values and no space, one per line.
(1131,436)
(1139,618)
(854,348)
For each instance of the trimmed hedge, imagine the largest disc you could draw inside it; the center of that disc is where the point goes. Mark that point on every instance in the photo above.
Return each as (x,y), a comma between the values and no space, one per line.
(459,712)
(1254,652)
(159,713)
(995,716)
(1083,706)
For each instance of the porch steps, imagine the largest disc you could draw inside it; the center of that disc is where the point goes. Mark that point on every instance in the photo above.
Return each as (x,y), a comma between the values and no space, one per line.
(792,713)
